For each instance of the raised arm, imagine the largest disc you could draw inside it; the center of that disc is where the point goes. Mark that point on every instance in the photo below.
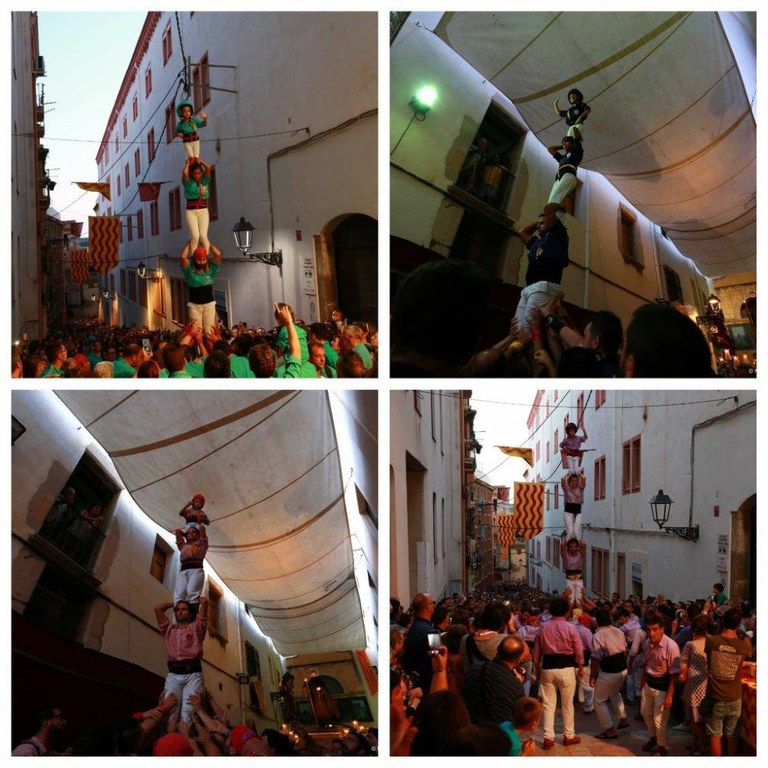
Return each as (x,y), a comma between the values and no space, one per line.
(216,254)
(184,258)
(185,171)
(179,538)
(160,610)
(284,314)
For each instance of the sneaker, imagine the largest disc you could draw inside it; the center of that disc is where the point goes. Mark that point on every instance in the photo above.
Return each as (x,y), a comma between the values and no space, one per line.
(547,743)
(649,745)
(570,741)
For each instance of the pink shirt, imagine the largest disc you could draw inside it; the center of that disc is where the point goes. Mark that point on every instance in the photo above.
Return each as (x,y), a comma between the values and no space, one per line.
(663,658)
(184,642)
(558,636)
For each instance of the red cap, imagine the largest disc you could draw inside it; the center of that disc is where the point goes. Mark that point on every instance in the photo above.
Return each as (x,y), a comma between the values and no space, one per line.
(239,736)
(199,252)
(198,496)
(172,744)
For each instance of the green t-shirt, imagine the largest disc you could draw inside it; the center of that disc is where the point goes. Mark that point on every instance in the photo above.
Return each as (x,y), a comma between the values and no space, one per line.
(122,370)
(239,367)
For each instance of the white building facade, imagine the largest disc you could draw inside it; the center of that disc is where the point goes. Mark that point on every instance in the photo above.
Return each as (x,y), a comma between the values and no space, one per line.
(291,104)
(425,482)
(619,259)
(696,446)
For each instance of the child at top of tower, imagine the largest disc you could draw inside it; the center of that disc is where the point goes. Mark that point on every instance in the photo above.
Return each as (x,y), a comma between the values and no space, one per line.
(570,447)
(193,512)
(186,128)
(576,114)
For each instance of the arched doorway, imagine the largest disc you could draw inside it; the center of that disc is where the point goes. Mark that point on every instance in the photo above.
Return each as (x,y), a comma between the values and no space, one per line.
(743,559)
(349,267)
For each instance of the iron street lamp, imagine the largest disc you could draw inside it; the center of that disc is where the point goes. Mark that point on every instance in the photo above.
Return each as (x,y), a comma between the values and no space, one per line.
(661,505)
(243,232)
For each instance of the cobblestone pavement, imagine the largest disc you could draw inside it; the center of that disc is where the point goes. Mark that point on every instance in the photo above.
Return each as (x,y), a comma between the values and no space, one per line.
(629,742)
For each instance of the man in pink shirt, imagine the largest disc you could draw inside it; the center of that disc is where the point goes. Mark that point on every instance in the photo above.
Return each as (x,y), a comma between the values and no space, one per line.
(557,651)
(184,648)
(661,659)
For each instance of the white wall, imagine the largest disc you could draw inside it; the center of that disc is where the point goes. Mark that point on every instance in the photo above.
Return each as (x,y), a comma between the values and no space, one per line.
(412,433)
(711,465)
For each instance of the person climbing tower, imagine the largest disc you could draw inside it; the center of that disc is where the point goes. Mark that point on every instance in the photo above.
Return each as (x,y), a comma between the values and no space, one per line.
(193,512)
(186,128)
(576,114)
(192,546)
(570,447)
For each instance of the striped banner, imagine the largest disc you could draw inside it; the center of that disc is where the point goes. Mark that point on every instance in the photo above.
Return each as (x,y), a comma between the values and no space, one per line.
(104,242)
(78,264)
(505,525)
(529,509)
(368,672)
(523,453)
(258,692)
(95,186)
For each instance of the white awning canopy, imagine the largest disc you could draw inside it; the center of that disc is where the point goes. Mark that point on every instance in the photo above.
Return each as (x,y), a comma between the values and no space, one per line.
(671,126)
(268,466)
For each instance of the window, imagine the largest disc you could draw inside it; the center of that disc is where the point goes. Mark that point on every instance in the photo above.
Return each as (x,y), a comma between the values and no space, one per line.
(174,209)
(630,467)
(599,482)
(557,497)
(215,614)
(125,126)
(127,176)
(140,223)
(154,219)
(432,415)
(160,556)
(178,300)
(167,44)
(143,292)
(547,453)
(556,551)
(566,421)
(600,570)
(556,441)
(112,284)
(621,572)
(546,493)
(135,107)
(129,227)
(148,81)
(122,282)
(627,221)
(119,184)
(201,85)
(132,285)
(170,123)
(137,163)
(89,489)
(538,452)
(58,603)
(158,298)
(117,144)
(674,289)
(253,670)
(580,409)
(599,398)
(549,549)
(151,147)
(213,199)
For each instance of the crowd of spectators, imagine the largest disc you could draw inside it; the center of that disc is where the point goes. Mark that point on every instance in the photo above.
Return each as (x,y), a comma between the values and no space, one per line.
(210,733)
(439,313)
(482,693)
(93,349)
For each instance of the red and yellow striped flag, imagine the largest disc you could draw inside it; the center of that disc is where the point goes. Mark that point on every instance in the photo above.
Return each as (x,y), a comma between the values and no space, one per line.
(78,265)
(104,242)
(523,453)
(529,509)
(95,186)
(368,672)
(505,525)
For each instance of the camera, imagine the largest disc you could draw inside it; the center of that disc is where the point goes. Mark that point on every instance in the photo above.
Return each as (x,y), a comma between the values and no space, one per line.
(433,639)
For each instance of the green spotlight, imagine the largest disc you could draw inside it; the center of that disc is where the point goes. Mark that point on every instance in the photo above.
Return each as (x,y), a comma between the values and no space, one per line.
(423,101)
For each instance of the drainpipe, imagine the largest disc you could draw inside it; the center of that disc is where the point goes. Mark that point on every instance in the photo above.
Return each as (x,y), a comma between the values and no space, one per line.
(587,269)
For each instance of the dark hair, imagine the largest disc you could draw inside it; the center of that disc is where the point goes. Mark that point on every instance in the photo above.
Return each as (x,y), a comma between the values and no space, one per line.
(558,606)
(653,331)
(478,740)
(261,360)
(732,618)
(217,365)
(607,328)
(700,624)
(577,93)
(717,587)
(492,616)
(574,540)
(603,617)
(429,301)
(174,357)
(652,618)
(579,362)
(439,715)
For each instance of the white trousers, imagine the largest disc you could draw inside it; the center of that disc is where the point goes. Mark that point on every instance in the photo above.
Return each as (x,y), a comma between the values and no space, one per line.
(562,188)
(576,589)
(533,296)
(189,585)
(572,522)
(608,688)
(654,714)
(197,224)
(204,315)
(182,686)
(586,693)
(551,681)
(192,148)
(634,678)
